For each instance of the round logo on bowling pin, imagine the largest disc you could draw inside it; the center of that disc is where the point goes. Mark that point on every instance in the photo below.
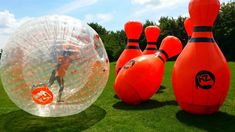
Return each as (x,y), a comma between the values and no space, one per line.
(205,80)
(129,64)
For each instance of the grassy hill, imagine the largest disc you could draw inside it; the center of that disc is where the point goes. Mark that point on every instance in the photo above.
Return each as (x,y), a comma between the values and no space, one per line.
(108,113)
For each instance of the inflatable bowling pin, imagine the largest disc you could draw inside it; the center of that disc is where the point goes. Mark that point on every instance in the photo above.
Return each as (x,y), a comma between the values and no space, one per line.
(133,31)
(141,77)
(151,33)
(201,74)
(188,25)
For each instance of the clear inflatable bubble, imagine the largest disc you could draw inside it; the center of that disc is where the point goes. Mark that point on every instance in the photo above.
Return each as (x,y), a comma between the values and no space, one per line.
(54,66)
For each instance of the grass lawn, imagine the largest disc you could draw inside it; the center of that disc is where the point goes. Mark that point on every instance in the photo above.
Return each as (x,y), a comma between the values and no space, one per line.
(108,113)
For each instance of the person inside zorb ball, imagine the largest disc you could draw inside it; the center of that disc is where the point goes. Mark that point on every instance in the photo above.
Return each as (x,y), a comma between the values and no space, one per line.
(54,66)
(69,54)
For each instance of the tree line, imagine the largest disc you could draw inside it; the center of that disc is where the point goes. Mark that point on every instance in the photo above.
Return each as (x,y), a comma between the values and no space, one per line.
(223,30)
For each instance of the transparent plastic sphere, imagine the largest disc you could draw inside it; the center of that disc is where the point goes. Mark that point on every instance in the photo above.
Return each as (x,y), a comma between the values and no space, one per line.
(54,66)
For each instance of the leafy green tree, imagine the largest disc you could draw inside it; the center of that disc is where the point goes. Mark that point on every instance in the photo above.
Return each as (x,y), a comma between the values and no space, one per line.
(224,30)
(98,28)
(175,27)
(114,42)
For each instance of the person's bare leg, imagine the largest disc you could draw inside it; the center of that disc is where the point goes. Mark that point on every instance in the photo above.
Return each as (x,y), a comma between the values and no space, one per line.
(52,79)
(60,81)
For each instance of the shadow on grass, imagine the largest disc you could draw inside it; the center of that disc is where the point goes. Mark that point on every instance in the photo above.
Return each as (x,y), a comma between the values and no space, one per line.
(116,97)
(217,122)
(22,121)
(161,89)
(150,104)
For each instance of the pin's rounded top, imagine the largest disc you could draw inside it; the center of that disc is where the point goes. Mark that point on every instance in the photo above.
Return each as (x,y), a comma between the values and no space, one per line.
(188,25)
(203,12)
(171,45)
(152,33)
(133,29)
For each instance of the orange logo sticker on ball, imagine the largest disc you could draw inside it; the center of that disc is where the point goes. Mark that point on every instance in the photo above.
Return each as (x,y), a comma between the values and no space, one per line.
(42,95)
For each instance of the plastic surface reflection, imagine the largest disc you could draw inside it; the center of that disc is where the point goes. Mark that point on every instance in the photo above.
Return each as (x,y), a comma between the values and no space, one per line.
(54,66)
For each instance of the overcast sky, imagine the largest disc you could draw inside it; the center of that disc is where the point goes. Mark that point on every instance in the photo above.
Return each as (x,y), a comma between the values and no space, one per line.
(112,14)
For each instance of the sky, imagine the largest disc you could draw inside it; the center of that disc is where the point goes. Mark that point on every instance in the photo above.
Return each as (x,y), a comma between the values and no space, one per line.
(111,14)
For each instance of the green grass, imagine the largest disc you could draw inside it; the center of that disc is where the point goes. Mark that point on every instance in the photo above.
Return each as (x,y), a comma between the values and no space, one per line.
(108,113)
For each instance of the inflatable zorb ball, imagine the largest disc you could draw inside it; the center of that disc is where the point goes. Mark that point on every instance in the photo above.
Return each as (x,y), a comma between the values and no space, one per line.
(54,66)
